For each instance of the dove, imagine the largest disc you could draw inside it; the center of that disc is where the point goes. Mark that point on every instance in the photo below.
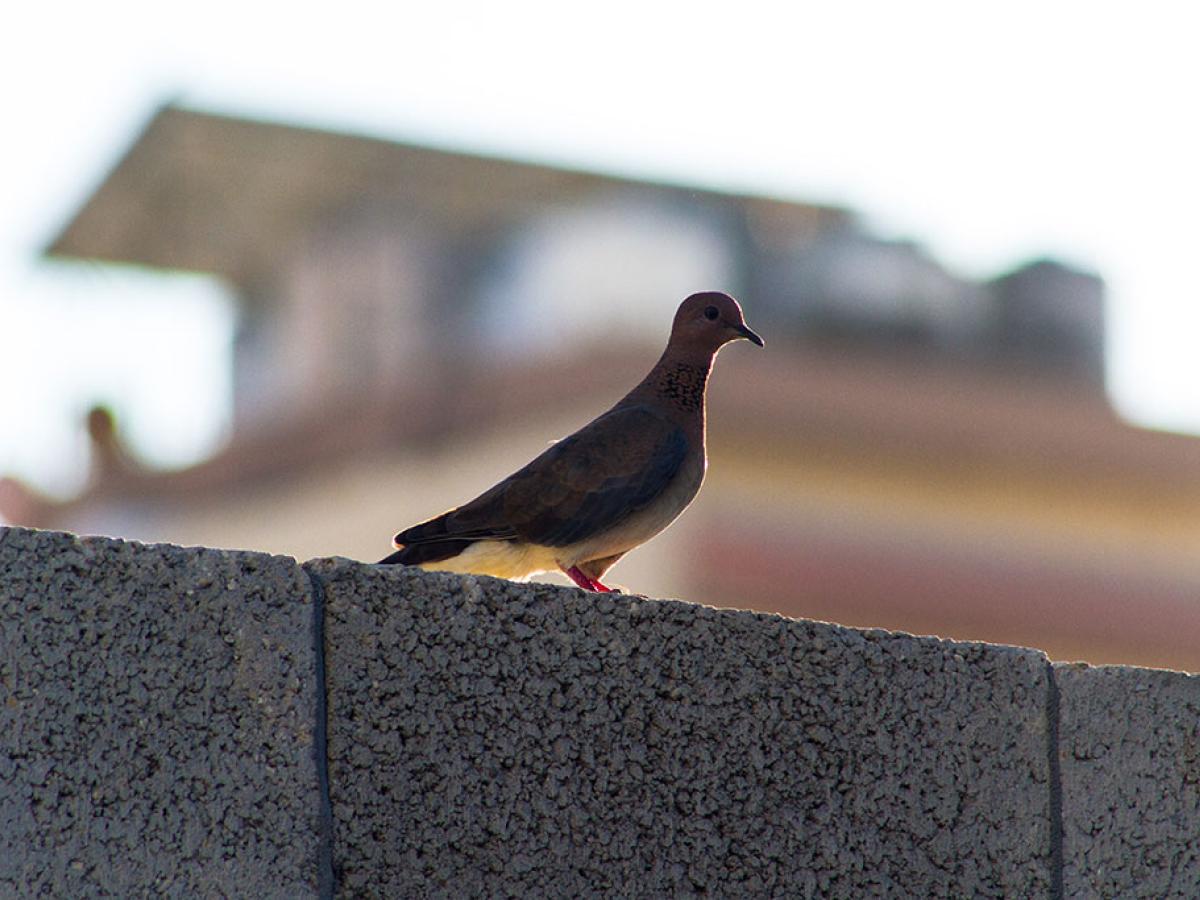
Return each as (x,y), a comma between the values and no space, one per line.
(593,496)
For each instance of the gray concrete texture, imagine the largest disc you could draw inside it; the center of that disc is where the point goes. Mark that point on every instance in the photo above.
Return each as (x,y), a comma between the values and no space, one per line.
(1130,748)
(162,733)
(156,721)
(489,736)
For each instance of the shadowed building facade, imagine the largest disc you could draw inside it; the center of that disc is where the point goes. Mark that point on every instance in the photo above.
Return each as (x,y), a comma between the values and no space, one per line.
(912,451)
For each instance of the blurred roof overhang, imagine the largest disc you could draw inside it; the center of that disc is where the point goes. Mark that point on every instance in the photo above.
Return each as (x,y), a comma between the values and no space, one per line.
(232,197)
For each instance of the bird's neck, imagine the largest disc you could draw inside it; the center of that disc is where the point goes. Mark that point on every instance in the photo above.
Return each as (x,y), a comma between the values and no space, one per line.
(680,382)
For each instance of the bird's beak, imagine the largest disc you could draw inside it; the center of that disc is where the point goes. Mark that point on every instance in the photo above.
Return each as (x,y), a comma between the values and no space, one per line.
(744,331)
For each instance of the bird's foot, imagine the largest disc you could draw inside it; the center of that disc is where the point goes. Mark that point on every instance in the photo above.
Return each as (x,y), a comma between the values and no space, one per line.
(587,583)
(579,578)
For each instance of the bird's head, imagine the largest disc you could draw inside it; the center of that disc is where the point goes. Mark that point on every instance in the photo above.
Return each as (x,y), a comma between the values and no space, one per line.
(707,321)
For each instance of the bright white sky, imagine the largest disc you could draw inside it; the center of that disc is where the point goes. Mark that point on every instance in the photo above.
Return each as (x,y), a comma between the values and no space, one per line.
(988,132)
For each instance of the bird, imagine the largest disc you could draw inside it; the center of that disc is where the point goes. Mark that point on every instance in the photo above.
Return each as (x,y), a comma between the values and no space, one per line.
(593,496)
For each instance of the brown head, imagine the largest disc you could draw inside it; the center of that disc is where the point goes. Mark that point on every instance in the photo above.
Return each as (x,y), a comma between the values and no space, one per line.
(705,323)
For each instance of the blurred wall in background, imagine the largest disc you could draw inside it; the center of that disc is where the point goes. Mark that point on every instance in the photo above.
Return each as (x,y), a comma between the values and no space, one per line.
(913,450)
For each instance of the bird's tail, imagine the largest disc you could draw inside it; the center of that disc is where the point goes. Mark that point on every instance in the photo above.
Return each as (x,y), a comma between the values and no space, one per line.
(433,551)
(442,537)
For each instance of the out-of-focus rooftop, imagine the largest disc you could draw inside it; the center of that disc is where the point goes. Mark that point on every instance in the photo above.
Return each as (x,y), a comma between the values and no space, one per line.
(914,450)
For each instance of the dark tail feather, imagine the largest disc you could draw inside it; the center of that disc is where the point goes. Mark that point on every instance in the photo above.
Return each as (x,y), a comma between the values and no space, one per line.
(441,538)
(435,551)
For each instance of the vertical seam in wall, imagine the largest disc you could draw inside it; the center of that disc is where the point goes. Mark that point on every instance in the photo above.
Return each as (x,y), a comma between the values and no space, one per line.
(325,872)
(1056,793)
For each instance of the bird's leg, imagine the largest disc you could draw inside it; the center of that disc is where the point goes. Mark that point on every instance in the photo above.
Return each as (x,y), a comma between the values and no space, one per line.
(584,581)
(594,568)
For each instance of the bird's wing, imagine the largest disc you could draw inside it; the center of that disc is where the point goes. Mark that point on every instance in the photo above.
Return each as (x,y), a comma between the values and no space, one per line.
(581,486)
(590,481)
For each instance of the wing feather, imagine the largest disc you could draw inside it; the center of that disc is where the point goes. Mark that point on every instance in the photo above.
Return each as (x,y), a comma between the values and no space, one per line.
(581,486)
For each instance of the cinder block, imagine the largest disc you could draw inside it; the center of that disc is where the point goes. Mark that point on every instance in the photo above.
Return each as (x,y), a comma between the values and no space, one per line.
(156,721)
(1130,758)
(491,739)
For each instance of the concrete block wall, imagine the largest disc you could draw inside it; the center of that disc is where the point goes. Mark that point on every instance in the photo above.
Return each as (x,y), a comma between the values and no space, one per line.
(193,722)
(157,708)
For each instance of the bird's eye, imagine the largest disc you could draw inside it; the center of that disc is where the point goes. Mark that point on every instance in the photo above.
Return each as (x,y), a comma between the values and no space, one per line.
(711,313)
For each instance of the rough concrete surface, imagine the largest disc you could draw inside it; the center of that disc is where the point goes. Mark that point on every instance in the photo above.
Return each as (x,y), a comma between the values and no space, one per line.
(162,732)
(1130,751)
(156,721)
(493,739)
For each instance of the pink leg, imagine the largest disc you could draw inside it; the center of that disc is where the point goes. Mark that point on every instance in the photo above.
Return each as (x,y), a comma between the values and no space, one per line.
(584,582)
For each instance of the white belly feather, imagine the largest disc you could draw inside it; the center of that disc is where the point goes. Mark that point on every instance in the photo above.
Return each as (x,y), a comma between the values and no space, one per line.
(504,559)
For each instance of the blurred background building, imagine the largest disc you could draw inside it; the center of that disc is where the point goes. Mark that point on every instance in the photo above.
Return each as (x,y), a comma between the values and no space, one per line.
(913,450)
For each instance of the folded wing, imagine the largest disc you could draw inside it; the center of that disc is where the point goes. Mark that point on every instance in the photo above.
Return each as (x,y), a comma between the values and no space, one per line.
(581,486)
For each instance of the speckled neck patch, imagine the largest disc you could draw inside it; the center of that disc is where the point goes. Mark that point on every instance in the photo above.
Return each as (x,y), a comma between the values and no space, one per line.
(683,385)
